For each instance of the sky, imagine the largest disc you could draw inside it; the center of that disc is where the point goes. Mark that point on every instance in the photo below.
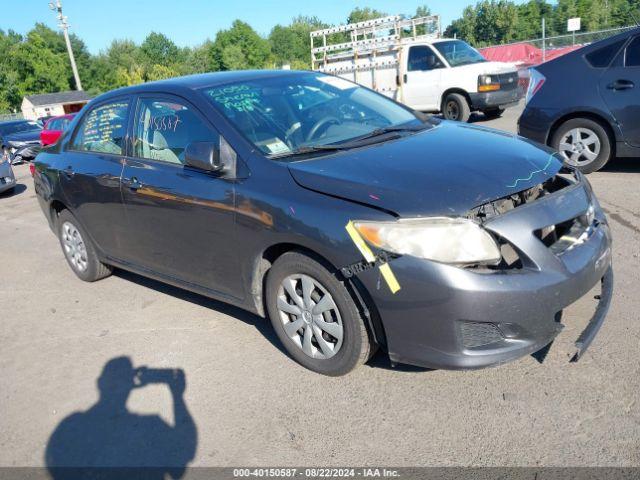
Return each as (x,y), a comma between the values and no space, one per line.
(190,22)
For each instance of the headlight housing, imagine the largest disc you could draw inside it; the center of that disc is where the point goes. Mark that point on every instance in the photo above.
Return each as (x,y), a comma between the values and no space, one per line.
(442,239)
(488,83)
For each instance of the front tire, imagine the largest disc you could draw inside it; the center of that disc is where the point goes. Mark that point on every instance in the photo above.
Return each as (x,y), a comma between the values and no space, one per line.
(315,317)
(456,107)
(583,143)
(78,249)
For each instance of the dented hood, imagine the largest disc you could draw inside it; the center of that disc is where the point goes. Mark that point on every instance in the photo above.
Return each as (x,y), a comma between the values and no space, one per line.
(446,170)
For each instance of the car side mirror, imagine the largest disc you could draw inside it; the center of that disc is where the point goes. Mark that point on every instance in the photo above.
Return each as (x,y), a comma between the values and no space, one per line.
(203,156)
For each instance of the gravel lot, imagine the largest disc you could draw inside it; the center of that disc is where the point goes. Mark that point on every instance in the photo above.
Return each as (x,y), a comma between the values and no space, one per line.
(252,405)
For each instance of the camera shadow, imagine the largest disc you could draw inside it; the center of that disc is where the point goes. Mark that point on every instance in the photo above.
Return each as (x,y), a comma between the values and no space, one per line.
(108,441)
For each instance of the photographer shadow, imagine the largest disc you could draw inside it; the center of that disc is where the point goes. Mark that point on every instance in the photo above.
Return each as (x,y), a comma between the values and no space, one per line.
(108,441)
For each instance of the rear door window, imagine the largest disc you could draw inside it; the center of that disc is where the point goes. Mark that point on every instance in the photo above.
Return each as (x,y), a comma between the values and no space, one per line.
(632,54)
(602,57)
(164,128)
(103,129)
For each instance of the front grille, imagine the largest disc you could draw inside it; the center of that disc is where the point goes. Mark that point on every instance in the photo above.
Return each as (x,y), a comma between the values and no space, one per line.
(512,258)
(563,236)
(479,334)
(508,81)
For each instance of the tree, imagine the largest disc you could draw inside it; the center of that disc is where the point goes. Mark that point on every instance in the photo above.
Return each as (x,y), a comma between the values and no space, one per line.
(255,49)
(292,44)
(197,59)
(157,49)
(159,72)
(361,14)
(422,11)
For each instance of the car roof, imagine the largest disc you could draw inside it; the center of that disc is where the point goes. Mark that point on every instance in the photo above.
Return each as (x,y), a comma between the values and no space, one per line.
(202,80)
(15,122)
(68,116)
(438,40)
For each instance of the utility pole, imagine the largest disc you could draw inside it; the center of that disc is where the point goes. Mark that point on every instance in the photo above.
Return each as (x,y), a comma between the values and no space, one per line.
(65,31)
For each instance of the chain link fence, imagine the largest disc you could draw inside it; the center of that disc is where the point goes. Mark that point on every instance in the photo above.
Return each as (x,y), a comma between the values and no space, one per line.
(578,39)
(4,117)
(539,50)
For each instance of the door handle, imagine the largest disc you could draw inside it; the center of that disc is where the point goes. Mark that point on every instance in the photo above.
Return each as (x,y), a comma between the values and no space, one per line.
(68,172)
(621,85)
(133,183)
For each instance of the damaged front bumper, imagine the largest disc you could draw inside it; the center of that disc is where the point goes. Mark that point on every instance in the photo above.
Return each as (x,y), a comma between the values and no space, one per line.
(449,317)
(18,152)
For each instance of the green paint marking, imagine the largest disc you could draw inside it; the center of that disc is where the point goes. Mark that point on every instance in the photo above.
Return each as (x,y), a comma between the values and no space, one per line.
(532,173)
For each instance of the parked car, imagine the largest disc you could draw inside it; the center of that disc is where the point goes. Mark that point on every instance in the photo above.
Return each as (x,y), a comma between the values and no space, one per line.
(20,140)
(54,127)
(350,220)
(45,119)
(586,104)
(7,178)
(411,63)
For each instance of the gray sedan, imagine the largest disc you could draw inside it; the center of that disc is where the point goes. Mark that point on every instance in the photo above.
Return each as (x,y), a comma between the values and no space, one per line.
(7,178)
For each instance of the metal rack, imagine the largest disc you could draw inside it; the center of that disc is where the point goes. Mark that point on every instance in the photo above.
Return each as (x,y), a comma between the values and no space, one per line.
(371,38)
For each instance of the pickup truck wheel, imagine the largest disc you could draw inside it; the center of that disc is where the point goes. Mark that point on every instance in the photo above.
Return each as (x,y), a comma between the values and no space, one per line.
(315,317)
(583,143)
(493,112)
(78,249)
(455,107)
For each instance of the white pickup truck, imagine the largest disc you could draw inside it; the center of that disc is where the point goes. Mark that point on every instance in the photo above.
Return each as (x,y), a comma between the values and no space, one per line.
(406,60)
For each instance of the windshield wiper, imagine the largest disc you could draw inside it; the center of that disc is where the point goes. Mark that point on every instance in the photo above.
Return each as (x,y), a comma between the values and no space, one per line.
(357,142)
(309,149)
(394,128)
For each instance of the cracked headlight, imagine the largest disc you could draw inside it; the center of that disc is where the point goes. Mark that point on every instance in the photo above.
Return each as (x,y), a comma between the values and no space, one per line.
(443,239)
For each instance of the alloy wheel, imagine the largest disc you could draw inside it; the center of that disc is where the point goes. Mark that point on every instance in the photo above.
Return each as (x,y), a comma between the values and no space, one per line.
(580,146)
(310,316)
(74,247)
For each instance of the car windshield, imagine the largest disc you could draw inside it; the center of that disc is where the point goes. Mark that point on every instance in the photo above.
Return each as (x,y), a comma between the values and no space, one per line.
(19,127)
(459,53)
(284,115)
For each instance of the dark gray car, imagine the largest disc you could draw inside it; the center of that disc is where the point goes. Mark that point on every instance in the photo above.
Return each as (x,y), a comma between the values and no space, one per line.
(586,104)
(350,220)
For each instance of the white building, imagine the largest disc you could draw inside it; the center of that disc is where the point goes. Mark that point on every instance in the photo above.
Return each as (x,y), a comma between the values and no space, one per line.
(53,104)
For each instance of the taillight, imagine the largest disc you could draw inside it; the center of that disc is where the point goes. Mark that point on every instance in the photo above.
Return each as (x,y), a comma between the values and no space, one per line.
(536,80)
(32,169)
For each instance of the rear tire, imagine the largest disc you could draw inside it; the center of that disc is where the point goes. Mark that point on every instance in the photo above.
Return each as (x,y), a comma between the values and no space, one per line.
(331,340)
(79,250)
(456,107)
(583,143)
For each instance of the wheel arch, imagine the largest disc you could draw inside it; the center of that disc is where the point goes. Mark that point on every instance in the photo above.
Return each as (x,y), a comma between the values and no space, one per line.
(458,90)
(55,207)
(359,294)
(596,117)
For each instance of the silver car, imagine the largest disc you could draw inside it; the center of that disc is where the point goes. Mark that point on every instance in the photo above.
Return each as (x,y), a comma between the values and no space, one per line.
(7,178)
